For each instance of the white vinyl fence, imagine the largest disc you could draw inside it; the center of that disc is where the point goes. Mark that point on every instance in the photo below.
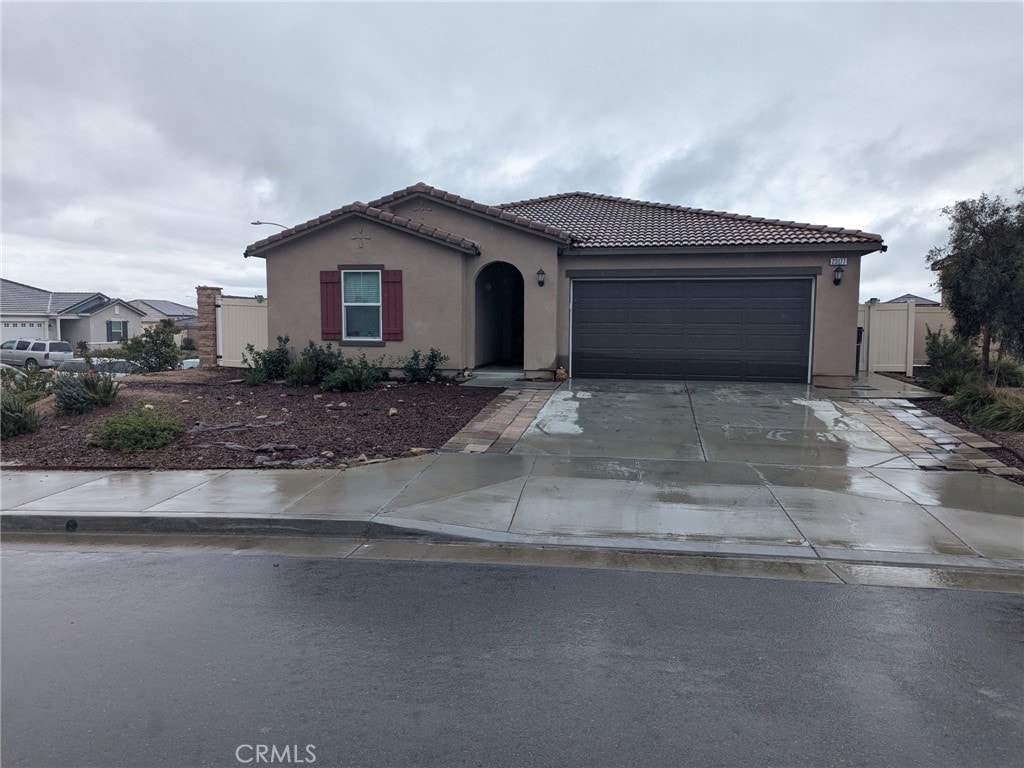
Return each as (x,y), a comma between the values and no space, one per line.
(894,335)
(241,320)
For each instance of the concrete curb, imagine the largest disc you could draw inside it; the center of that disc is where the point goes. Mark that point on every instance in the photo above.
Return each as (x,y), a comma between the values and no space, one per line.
(393,528)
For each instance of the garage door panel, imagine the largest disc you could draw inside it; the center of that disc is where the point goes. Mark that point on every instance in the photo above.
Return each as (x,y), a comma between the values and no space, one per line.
(712,329)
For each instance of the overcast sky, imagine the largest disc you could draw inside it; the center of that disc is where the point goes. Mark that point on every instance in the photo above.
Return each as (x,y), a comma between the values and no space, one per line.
(139,140)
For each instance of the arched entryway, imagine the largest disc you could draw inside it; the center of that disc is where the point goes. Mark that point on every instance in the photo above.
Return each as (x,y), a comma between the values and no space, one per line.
(499,315)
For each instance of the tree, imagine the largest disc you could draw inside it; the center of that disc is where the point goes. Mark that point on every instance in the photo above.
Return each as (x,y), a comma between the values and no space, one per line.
(154,349)
(981,272)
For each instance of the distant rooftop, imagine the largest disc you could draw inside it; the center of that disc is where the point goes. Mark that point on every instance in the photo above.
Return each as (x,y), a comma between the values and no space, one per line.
(907,297)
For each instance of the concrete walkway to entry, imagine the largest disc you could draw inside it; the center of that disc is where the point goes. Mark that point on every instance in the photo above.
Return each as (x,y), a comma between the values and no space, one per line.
(751,470)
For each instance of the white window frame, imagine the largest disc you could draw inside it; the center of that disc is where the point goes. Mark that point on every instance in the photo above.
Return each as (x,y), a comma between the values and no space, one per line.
(124,329)
(377,304)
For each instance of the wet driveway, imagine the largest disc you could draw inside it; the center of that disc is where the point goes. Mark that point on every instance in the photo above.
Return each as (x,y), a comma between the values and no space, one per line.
(789,424)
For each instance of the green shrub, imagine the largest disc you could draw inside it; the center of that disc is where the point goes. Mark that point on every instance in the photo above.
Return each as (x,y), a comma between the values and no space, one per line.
(29,385)
(970,398)
(143,428)
(1007,373)
(82,392)
(354,376)
(321,362)
(188,345)
(301,373)
(1005,413)
(17,416)
(948,353)
(948,382)
(271,364)
(253,377)
(420,369)
(153,349)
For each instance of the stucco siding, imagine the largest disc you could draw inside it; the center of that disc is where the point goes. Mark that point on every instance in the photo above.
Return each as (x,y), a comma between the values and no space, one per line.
(432,282)
(525,251)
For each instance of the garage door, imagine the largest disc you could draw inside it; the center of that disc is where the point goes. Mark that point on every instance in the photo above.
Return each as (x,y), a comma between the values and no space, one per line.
(695,329)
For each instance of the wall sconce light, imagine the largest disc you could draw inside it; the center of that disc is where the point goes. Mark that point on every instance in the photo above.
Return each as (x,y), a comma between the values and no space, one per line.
(540,277)
(837,276)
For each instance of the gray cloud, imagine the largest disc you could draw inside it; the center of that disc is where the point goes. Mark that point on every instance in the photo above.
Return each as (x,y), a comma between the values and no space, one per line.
(140,139)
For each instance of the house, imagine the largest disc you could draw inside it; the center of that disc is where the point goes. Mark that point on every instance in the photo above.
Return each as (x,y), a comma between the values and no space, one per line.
(908,297)
(602,286)
(159,309)
(97,319)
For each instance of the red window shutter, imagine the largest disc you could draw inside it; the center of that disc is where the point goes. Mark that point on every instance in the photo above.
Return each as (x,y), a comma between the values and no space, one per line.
(330,305)
(391,300)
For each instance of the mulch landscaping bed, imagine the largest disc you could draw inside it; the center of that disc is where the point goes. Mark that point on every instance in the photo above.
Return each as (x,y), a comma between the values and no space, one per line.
(323,428)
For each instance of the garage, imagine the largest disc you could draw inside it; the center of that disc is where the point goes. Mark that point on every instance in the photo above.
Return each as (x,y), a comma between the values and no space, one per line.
(722,329)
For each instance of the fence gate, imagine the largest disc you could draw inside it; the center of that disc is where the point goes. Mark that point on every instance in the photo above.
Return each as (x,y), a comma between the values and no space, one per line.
(241,320)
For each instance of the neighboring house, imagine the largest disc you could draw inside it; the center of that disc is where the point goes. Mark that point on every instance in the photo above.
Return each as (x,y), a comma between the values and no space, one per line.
(908,297)
(159,309)
(184,318)
(97,319)
(602,286)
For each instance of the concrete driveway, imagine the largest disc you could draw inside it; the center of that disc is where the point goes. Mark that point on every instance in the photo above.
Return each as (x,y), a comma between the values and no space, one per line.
(767,423)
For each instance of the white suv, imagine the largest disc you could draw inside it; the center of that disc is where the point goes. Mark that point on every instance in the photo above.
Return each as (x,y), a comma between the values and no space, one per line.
(35,353)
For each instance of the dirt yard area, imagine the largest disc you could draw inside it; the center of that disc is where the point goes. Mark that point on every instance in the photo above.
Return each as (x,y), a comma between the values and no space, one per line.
(228,424)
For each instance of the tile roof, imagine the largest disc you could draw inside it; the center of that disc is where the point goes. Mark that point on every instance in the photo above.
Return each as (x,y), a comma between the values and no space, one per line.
(18,298)
(494,211)
(372,212)
(600,221)
(908,297)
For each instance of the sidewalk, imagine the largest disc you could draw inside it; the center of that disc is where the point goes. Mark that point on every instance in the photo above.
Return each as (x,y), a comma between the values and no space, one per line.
(898,517)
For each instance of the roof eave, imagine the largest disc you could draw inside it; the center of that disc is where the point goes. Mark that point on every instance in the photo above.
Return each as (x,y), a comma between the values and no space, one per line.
(290,236)
(855,249)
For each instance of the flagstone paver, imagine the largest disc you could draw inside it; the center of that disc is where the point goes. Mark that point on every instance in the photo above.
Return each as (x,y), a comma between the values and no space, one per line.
(928,441)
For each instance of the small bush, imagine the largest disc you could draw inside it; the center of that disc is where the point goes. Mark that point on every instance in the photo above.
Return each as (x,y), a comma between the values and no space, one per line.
(948,353)
(322,361)
(272,364)
(153,349)
(301,373)
(422,369)
(188,345)
(1007,373)
(973,397)
(948,382)
(29,385)
(253,377)
(143,428)
(81,393)
(1005,413)
(17,417)
(354,376)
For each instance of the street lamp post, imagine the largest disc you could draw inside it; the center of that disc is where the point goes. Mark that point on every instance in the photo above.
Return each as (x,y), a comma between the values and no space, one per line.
(274,223)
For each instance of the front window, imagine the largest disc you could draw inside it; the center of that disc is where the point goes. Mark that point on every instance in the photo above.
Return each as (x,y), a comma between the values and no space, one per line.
(118,330)
(360,301)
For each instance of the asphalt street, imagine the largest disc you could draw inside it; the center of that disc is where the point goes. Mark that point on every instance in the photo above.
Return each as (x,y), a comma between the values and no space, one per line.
(138,658)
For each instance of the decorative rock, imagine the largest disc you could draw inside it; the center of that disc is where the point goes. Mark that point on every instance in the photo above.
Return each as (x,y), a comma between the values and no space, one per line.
(307,462)
(392,411)
(184,401)
(327,454)
(362,458)
(147,407)
(318,397)
(285,410)
(266,461)
(343,405)
(419,451)
(239,403)
(262,417)
(380,456)
(236,381)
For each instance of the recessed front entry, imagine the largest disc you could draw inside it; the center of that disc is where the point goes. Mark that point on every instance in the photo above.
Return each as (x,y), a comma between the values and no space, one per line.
(744,329)
(499,315)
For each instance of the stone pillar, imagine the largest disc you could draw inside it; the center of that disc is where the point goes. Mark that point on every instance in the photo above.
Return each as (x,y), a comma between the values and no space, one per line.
(206,333)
